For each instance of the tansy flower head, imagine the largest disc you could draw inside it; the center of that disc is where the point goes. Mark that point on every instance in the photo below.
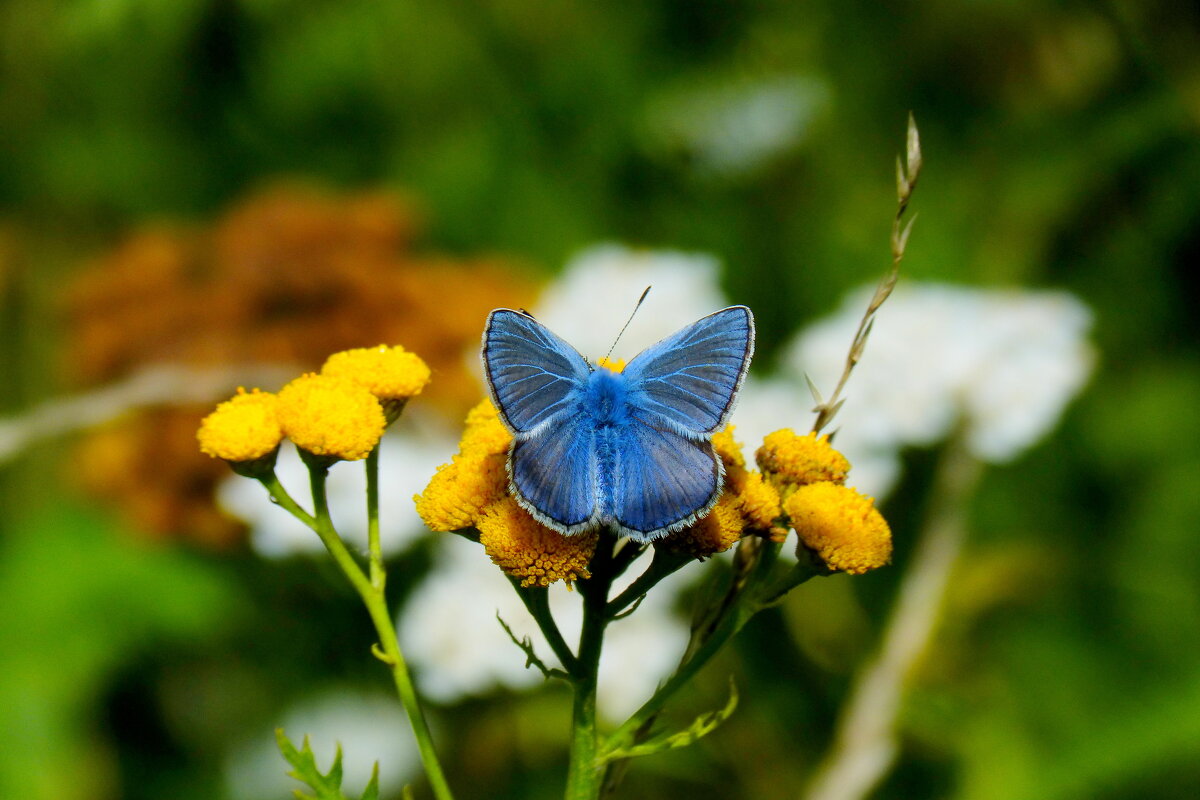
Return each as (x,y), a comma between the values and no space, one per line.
(759,501)
(243,429)
(331,416)
(484,434)
(526,549)
(718,531)
(729,449)
(799,460)
(459,491)
(841,526)
(389,373)
(611,364)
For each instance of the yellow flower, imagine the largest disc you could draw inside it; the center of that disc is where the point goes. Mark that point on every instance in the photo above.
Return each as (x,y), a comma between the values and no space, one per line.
(389,373)
(459,491)
(729,449)
(758,500)
(484,434)
(841,526)
(799,460)
(331,416)
(526,549)
(718,531)
(611,364)
(243,428)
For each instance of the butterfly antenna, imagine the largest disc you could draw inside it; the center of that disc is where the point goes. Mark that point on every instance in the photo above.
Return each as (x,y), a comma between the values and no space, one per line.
(641,300)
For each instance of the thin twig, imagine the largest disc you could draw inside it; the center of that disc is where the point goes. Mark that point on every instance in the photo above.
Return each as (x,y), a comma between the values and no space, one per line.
(908,169)
(152,386)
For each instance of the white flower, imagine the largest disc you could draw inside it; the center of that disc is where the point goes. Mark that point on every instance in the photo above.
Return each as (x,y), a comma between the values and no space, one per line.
(1003,363)
(369,726)
(408,456)
(450,635)
(590,301)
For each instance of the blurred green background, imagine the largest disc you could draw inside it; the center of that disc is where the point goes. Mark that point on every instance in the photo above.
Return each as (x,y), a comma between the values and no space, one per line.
(1062,145)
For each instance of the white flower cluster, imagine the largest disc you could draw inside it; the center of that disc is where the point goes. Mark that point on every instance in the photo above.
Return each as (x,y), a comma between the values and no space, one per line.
(450,634)
(1002,364)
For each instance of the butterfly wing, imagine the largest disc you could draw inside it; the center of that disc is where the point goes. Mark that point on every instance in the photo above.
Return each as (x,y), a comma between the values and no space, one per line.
(662,481)
(554,475)
(534,376)
(688,381)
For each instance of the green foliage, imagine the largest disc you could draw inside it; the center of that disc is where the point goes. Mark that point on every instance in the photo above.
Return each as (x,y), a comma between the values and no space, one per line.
(328,786)
(662,741)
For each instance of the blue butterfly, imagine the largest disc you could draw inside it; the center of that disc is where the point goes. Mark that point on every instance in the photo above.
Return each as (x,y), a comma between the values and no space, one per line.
(629,450)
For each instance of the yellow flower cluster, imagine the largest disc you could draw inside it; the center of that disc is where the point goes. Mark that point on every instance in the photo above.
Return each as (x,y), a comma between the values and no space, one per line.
(841,526)
(798,460)
(339,413)
(526,549)
(243,428)
(833,521)
(472,491)
(800,486)
(392,374)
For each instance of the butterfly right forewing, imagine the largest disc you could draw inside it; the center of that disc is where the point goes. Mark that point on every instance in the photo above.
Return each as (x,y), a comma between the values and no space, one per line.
(689,380)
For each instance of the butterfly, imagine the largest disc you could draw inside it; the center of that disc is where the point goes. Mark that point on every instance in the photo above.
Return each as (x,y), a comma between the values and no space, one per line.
(630,450)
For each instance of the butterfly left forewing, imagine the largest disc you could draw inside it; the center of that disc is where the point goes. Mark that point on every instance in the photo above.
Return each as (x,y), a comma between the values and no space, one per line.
(662,481)
(689,380)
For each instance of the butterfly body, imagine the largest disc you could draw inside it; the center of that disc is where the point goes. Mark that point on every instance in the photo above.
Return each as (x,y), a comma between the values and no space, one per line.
(629,450)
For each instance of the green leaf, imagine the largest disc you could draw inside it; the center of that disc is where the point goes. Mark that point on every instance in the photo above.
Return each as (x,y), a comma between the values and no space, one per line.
(328,786)
(703,725)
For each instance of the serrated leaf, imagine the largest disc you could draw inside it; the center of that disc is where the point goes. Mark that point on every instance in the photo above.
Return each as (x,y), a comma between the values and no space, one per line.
(372,790)
(328,786)
(703,725)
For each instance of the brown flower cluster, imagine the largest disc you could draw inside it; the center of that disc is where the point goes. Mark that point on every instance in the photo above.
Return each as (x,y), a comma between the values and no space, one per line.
(284,277)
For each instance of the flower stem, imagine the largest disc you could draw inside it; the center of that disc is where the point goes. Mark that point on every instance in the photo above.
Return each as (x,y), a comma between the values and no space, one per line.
(585,775)
(374,548)
(371,590)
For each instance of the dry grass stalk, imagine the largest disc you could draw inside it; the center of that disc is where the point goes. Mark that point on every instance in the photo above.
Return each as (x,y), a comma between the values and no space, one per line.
(908,169)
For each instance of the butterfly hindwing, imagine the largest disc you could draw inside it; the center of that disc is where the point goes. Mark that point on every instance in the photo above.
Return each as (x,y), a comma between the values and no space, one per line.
(662,481)
(689,380)
(534,375)
(554,475)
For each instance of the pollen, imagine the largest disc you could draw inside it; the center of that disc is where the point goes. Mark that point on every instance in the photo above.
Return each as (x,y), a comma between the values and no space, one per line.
(459,491)
(389,373)
(243,428)
(842,527)
(526,549)
(484,434)
(331,416)
(758,499)
(799,460)
(715,533)
(611,364)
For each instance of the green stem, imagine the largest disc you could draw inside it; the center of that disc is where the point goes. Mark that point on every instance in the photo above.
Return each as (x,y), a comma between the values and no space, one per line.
(664,563)
(372,594)
(754,587)
(537,601)
(374,548)
(584,775)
